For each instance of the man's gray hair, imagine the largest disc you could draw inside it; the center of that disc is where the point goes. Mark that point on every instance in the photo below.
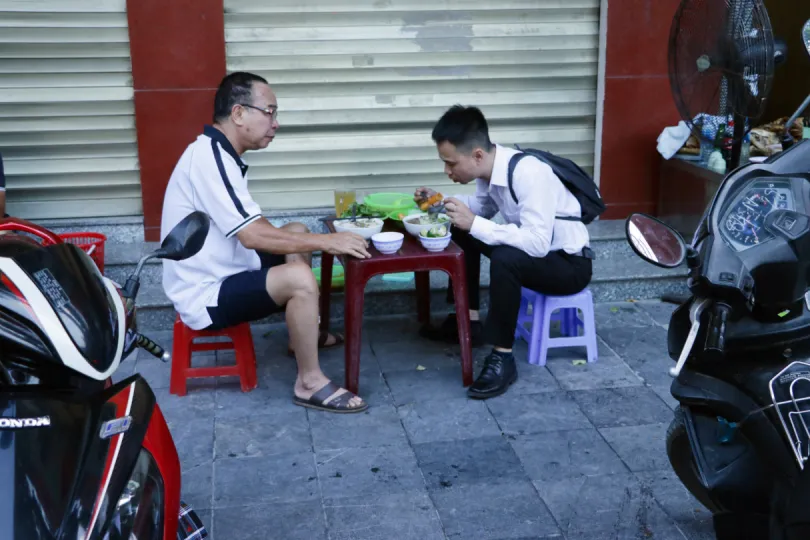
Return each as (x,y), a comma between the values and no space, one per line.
(234,89)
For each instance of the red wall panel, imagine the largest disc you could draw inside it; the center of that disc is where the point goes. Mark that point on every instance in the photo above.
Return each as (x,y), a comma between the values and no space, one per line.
(178,59)
(638,103)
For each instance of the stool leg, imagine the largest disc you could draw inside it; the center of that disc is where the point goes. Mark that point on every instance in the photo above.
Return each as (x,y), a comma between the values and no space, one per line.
(544,336)
(539,330)
(571,329)
(181,359)
(245,357)
(562,316)
(520,331)
(589,329)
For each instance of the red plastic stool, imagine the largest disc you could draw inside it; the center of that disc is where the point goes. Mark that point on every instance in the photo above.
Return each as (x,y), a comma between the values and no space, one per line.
(241,343)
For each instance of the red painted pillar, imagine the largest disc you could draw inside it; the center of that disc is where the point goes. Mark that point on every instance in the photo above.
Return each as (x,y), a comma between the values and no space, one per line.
(178,59)
(638,103)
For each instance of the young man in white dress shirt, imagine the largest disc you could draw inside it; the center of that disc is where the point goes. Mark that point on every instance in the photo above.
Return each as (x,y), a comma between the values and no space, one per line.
(533,249)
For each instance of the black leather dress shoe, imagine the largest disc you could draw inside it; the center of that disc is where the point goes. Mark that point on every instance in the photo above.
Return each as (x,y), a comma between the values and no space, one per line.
(498,374)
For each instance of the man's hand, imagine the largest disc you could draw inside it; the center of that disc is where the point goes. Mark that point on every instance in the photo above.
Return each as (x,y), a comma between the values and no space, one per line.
(423,194)
(346,243)
(458,212)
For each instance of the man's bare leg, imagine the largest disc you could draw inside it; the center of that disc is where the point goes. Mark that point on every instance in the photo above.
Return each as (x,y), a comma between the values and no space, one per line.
(305,258)
(294,285)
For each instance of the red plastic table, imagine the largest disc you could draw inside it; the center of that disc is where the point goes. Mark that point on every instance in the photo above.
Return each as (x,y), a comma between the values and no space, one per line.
(411,257)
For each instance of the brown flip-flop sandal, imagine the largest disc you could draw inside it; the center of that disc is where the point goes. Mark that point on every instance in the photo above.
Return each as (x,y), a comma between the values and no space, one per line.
(338,405)
(322,339)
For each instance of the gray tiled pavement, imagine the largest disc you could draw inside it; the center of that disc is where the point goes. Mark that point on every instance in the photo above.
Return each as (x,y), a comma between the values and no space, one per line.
(571,451)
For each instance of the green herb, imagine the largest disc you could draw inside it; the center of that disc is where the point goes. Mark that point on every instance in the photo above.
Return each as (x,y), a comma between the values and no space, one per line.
(435,232)
(362,211)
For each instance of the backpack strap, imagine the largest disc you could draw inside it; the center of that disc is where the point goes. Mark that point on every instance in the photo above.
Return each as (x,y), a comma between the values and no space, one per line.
(511,171)
(513,161)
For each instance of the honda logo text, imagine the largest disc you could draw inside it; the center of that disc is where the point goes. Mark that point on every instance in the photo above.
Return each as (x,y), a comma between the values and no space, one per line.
(21,423)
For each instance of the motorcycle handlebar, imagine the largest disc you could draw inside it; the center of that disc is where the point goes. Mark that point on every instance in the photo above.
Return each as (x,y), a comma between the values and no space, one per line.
(716,337)
(152,348)
(17,224)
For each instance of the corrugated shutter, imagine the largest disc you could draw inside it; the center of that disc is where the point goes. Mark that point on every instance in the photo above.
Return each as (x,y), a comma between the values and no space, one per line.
(360,84)
(67,122)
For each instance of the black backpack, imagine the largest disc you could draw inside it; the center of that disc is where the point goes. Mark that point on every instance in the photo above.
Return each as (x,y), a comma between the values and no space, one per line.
(578,182)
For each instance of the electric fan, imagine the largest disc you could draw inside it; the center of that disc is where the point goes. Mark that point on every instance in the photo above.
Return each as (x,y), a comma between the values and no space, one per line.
(722,56)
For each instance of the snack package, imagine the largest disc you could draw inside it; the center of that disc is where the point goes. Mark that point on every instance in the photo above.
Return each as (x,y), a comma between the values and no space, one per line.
(430,201)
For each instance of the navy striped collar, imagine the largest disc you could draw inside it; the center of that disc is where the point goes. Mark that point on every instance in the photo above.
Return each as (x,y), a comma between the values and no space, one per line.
(218,136)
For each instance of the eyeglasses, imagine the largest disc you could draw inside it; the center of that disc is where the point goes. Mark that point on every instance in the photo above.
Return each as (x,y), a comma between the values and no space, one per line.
(271,112)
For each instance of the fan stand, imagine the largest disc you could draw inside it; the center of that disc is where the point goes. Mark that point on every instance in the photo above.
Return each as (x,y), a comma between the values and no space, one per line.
(736,144)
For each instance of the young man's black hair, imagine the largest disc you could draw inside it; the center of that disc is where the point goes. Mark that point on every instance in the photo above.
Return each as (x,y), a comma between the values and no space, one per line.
(463,127)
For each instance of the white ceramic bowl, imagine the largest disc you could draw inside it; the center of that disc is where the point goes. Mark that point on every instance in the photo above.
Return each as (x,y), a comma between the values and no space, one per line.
(415,228)
(375,225)
(435,244)
(388,243)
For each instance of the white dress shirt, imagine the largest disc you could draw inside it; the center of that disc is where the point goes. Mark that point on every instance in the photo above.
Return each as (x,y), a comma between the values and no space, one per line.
(530,223)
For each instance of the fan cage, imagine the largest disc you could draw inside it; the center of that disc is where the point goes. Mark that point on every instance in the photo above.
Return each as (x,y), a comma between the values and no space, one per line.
(721,65)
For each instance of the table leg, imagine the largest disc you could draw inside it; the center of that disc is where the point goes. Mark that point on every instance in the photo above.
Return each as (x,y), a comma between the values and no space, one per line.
(423,296)
(463,317)
(326,289)
(353,317)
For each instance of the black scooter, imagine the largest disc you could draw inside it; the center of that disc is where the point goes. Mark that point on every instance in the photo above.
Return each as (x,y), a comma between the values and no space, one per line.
(740,439)
(81,457)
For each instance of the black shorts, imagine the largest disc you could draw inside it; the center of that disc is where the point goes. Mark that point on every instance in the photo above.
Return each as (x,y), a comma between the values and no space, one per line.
(243,297)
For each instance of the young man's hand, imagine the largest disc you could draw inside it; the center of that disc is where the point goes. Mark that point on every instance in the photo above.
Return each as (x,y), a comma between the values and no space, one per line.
(458,212)
(346,243)
(423,194)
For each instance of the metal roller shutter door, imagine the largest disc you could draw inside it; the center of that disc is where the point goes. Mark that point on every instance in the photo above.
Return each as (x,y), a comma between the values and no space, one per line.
(360,84)
(67,122)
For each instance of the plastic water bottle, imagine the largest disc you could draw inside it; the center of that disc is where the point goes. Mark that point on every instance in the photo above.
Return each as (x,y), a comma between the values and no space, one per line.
(706,143)
(745,150)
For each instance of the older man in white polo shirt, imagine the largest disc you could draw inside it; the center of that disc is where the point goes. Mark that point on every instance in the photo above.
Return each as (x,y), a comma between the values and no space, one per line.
(249,269)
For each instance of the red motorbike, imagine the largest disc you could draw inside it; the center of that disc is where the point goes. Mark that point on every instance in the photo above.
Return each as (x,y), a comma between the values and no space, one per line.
(80,456)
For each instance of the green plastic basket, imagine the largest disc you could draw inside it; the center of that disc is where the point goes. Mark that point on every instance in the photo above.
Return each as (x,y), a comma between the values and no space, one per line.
(338,276)
(409,212)
(390,202)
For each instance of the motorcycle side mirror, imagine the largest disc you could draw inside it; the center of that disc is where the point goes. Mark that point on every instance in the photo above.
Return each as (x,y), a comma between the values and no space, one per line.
(655,241)
(787,138)
(186,239)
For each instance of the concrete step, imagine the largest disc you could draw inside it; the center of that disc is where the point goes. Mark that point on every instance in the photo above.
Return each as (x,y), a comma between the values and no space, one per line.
(606,235)
(607,240)
(619,274)
(613,280)
(120,230)
(610,255)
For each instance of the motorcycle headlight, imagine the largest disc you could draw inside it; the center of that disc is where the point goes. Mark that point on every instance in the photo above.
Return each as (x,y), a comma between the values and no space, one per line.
(138,514)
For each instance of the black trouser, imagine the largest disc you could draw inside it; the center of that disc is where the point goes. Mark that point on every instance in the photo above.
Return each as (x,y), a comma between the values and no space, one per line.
(556,274)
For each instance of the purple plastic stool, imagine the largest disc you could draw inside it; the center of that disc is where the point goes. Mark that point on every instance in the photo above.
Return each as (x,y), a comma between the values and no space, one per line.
(543,308)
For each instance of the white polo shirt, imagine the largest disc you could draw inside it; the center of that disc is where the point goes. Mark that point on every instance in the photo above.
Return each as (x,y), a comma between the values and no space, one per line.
(210,177)
(530,223)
